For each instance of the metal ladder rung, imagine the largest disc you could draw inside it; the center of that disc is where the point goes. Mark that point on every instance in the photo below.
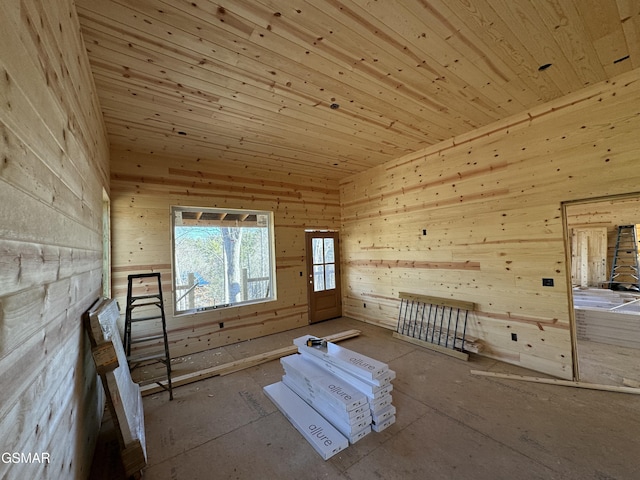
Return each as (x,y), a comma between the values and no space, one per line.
(146,357)
(147,339)
(143,297)
(145,319)
(148,304)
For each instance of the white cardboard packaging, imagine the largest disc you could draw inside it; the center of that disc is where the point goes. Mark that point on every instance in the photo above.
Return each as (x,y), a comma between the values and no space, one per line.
(370,390)
(354,362)
(378,427)
(327,411)
(322,436)
(379,404)
(387,412)
(337,391)
(304,391)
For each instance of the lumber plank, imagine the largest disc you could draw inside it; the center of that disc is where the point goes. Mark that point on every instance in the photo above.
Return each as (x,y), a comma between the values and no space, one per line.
(556,381)
(237,365)
(627,382)
(105,358)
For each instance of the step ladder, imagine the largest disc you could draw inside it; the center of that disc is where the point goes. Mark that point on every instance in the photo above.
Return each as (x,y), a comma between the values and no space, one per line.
(625,268)
(147,308)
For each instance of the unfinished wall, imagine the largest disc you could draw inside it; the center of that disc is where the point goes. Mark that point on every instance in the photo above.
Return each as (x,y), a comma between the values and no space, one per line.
(479,218)
(53,166)
(144,186)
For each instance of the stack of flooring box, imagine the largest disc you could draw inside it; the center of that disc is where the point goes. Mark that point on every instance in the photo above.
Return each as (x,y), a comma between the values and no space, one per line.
(350,391)
(607,316)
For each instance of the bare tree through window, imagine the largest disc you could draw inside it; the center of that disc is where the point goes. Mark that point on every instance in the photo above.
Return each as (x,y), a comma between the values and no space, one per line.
(221,258)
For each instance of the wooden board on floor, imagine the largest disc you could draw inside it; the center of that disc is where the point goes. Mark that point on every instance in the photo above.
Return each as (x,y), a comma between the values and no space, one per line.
(238,365)
(556,381)
(432,346)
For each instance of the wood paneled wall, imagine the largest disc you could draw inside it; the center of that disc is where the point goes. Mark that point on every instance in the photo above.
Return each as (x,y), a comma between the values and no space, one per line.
(53,166)
(143,188)
(479,218)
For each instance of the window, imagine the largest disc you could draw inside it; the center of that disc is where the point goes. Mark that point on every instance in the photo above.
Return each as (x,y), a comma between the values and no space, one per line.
(106,245)
(324,266)
(221,258)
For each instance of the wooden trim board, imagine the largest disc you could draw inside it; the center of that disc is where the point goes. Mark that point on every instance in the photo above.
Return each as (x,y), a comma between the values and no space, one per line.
(630,383)
(446,302)
(556,381)
(238,365)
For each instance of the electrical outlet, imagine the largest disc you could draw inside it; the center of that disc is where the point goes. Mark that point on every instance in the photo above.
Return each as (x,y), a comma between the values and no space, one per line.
(547,282)
(514,337)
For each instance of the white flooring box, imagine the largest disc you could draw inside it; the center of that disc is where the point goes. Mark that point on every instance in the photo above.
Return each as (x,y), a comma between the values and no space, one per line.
(300,387)
(322,436)
(340,420)
(379,404)
(354,362)
(337,391)
(359,412)
(366,387)
(378,427)
(361,434)
(387,412)
(349,430)
(350,392)
(387,377)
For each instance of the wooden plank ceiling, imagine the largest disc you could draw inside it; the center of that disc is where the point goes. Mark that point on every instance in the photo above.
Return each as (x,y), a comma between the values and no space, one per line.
(333,87)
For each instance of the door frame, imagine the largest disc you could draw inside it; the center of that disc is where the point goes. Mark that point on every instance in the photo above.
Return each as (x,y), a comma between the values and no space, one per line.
(567,251)
(311,293)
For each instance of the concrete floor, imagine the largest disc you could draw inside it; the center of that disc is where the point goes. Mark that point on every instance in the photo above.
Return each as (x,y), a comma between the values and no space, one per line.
(450,424)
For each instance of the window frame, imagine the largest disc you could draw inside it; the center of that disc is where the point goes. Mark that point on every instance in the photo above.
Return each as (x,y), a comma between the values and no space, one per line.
(265,215)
